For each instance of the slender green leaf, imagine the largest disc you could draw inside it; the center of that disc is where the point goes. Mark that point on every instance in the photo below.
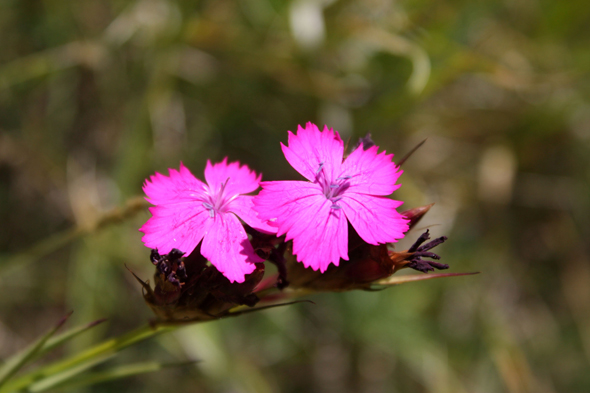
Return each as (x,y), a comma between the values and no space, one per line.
(60,339)
(120,372)
(16,362)
(106,348)
(61,377)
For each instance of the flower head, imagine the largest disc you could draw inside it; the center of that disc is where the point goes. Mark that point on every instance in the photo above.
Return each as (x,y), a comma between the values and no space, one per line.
(187,211)
(315,213)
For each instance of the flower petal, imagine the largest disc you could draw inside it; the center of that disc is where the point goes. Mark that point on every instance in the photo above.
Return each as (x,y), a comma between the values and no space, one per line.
(279,200)
(374,218)
(240,179)
(371,172)
(243,207)
(322,239)
(227,247)
(180,186)
(319,233)
(180,226)
(311,149)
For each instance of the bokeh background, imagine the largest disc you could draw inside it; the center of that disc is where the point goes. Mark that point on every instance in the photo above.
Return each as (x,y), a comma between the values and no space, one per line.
(97,95)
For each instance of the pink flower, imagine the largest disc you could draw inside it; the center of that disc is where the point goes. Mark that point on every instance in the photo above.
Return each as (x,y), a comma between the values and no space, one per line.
(187,211)
(315,213)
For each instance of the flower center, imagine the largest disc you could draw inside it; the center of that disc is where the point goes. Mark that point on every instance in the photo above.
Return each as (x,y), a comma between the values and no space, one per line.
(332,189)
(217,201)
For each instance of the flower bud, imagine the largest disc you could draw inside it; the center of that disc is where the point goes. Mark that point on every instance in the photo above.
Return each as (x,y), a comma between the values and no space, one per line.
(416,214)
(367,264)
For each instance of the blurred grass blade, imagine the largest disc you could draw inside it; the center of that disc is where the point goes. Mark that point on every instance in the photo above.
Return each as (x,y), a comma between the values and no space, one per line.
(49,61)
(56,341)
(396,280)
(115,373)
(40,249)
(82,359)
(61,239)
(16,362)
(61,377)
(401,46)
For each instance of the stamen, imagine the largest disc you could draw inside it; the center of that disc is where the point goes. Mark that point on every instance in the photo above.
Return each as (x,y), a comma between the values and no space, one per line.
(220,194)
(231,199)
(344,178)
(320,168)
(335,207)
(210,208)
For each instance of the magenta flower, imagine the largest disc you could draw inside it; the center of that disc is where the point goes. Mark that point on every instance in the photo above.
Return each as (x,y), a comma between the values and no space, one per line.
(187,211)
(315,213)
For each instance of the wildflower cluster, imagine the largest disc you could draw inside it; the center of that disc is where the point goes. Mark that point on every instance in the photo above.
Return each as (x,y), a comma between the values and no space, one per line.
(328,232)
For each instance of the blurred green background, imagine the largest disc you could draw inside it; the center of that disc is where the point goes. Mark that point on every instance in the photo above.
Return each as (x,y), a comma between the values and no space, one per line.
(97,95)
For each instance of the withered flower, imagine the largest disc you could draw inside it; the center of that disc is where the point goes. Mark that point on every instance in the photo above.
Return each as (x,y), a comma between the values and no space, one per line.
(201,293)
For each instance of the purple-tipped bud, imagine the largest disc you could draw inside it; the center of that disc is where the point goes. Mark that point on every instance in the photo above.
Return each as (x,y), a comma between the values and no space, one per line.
(367,264)
(419,251)
(366,142)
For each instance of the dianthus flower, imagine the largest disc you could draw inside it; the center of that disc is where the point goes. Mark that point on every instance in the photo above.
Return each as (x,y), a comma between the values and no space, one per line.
(315,213)
(187,211)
